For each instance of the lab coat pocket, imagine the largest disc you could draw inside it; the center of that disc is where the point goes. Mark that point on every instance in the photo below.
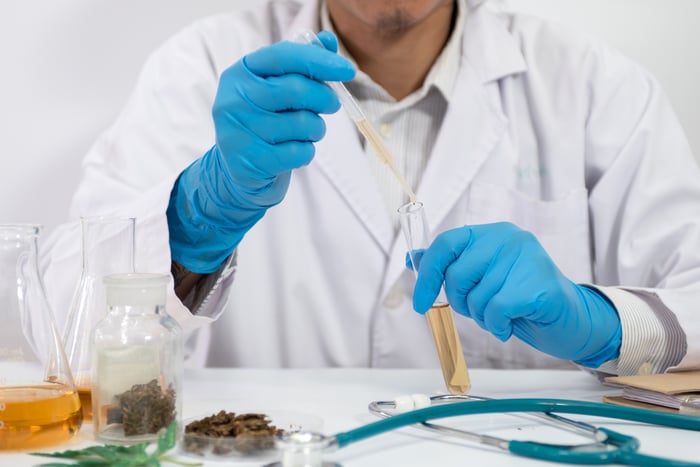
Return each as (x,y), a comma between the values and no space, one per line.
(561,225)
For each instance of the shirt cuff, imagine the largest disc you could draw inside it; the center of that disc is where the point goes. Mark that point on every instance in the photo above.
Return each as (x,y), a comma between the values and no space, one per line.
(206,301)
(652,338)
(210,295)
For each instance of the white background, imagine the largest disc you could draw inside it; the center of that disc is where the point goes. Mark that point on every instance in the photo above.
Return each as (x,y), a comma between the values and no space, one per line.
(68,66)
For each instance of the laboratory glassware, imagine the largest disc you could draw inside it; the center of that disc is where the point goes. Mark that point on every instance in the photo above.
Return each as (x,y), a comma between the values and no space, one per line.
(440,315)
(306,36)
(107,248)
(39,404)
(137,366)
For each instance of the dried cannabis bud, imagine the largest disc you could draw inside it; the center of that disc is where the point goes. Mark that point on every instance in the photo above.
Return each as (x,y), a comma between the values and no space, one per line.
(145,408)
(245,433)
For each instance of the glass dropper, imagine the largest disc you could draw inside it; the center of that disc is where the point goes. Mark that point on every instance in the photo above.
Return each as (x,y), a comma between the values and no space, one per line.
(358,117)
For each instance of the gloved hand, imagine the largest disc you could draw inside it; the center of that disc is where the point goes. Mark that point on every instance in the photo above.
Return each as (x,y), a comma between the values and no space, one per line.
(500,276)
(266,116)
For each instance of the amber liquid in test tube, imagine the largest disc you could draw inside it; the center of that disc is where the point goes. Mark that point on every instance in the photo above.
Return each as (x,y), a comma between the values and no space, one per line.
(440,315)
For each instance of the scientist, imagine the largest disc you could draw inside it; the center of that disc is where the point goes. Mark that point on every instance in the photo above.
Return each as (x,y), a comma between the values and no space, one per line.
(562,193)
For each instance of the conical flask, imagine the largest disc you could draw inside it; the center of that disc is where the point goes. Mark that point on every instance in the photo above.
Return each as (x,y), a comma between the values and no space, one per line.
(108,248)
(39,404)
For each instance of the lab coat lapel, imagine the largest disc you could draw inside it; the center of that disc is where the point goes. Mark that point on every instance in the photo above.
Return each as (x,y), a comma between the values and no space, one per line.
(341,158)
(473,126)
(470,130)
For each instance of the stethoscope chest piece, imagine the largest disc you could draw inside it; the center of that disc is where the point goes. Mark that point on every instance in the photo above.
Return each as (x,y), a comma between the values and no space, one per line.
(302,449)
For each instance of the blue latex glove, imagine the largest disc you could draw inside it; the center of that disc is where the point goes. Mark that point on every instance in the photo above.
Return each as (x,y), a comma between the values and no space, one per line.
(500,276)
(266,116)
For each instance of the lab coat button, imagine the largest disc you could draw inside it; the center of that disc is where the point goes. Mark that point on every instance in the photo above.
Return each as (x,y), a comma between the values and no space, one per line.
(385,129)
(394,298)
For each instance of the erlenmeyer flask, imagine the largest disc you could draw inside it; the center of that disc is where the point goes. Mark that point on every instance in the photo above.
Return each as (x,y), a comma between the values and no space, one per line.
(108,248)
(39,405)
(440,315)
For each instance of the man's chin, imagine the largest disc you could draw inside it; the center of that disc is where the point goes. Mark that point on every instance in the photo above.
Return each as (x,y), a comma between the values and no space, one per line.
(394,24)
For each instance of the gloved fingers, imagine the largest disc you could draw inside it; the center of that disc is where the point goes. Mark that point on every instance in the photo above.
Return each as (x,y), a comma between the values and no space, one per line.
(288,155)
(521,282)
(309,60)
(329,41)
(482,295)
(495,320)
(446,248)
(414,257)
(280,127)
(261,162)
(290,92)
(464,276)
(460,278)
(516,300)
(269,127)
(500,261)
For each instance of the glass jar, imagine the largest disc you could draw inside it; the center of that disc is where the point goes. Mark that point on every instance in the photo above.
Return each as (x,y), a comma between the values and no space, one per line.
(107,248)
(39,405)
(137,362)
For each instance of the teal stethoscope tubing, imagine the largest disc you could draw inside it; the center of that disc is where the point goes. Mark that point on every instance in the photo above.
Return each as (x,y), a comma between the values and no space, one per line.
(621,449)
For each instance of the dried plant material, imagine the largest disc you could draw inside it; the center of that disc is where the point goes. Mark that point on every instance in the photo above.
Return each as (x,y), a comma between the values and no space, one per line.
(226,433)
(144,409)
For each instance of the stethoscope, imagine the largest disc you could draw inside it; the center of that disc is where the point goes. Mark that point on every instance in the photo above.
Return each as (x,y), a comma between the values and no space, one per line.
(608,446)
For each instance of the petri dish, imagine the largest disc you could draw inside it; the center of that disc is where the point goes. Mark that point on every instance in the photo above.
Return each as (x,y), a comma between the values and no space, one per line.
(251,446)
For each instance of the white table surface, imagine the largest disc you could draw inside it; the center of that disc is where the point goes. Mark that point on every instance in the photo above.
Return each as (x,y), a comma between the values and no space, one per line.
(340,397)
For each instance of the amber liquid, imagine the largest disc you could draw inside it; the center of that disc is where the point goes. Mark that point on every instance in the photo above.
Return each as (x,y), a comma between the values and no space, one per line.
(449,348)
(33,417)
(85,395)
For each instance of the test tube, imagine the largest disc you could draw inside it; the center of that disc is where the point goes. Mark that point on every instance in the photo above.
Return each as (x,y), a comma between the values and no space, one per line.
(440,315)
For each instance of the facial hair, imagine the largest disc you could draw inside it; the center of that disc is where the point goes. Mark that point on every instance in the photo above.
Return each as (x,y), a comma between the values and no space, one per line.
(394,22)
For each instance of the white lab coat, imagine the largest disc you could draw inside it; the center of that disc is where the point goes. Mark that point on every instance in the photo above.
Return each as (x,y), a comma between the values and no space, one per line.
(545,129)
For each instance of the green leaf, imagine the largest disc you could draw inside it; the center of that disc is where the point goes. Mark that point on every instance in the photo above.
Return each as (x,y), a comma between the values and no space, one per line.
(167,440)
(112,455)
(91,463)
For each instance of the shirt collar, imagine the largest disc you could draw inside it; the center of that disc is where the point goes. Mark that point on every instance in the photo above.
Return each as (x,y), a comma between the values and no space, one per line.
(443,73)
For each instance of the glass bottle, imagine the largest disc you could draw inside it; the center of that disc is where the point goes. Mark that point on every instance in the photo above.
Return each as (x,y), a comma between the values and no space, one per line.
(107,248)
(440,315)
(137,361)
(39,405)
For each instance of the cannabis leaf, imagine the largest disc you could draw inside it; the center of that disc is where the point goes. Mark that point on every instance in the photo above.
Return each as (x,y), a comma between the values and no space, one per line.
(110,455)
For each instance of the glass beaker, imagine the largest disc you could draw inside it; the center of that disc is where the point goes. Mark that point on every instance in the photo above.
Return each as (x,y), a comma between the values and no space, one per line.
(107,248)
(137,361)
(39,405)
(440,315)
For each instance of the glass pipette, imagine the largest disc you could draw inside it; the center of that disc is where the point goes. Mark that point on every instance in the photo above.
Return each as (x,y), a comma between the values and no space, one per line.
(439,317)
(358,117)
